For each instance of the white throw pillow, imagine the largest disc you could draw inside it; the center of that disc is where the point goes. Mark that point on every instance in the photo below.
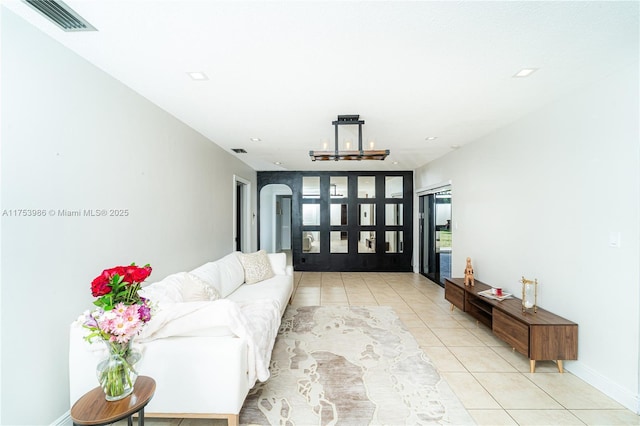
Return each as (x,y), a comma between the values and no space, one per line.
(195,289)
(256,266)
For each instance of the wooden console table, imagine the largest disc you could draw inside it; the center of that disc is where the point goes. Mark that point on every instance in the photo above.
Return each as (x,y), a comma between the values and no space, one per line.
(538,336)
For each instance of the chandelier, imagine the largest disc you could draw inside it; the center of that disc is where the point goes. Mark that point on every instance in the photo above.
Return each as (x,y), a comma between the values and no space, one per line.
(359,154)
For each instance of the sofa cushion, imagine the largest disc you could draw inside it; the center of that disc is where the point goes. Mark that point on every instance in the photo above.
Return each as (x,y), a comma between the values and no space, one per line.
(180,287)
(209,273)
(225,275)
(195,289)
(256,266)
(278,288)
(231,274)
(167,290)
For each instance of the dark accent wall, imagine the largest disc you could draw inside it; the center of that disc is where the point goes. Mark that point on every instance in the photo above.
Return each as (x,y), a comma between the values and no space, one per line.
(353,261)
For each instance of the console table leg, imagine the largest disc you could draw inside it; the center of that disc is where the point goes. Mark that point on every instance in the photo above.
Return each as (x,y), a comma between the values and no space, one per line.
(451,307)
(560,367)
(532,365)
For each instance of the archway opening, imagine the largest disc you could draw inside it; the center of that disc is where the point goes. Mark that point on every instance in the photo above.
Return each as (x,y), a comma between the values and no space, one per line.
(275,218)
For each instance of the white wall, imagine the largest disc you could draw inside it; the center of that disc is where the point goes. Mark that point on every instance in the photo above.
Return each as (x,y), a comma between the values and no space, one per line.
(75,138)
(540,199)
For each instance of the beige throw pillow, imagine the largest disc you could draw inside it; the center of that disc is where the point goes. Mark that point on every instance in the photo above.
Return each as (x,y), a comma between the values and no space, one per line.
(256,266)
(195,289)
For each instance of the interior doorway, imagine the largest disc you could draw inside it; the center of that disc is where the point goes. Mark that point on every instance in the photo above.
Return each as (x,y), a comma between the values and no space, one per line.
(275,218)
(241,209)
(435,235)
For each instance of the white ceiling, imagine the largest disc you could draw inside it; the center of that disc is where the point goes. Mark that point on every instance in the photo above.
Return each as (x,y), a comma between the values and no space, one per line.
(283,71)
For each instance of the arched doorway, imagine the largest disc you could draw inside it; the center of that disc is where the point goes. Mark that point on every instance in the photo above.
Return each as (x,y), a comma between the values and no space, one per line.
(275,218)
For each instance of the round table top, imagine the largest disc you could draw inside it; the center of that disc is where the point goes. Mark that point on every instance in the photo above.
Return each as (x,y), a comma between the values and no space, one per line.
(94,409)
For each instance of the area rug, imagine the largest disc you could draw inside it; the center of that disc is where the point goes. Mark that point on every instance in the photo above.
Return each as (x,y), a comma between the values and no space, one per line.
(340,365)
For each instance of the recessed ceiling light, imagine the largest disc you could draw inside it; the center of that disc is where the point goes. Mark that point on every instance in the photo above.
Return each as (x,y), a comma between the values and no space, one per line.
(255,139)
(198,75)
(455,146)
(277,163)
(395,162)
(431,138)
(525,72)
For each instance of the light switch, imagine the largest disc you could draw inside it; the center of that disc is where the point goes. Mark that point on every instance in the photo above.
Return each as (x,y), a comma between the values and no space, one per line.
(614,239)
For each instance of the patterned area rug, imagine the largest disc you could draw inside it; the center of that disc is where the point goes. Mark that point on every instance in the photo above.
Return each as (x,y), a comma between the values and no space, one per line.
(335,365)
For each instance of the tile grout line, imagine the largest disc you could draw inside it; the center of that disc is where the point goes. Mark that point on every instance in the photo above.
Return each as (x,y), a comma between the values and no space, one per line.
(394,287)
(467,371)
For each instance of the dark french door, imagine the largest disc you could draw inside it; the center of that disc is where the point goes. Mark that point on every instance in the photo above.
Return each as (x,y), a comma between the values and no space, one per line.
(435,235)
(348,221)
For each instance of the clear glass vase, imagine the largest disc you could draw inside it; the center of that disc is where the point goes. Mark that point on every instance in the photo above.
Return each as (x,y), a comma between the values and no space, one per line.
(117,373)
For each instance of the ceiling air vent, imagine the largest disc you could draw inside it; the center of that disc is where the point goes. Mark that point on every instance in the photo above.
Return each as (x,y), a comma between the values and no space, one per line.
(61,15)
(239,150)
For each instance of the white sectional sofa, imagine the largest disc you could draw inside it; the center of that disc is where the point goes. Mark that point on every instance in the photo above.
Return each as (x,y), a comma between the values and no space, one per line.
(204,354)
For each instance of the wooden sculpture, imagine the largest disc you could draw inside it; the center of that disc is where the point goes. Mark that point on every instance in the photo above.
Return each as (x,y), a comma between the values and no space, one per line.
(468,273)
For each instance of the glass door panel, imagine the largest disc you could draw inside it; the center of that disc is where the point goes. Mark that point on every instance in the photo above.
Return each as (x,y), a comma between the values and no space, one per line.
(310,214)
(367,242)
(339,242)
(311,241)
(366,214)
(338,214)
(435,236)
(366,187)
(393,241)
(393,214)
(443,234)
(311,187)
(393,187)
(338,187)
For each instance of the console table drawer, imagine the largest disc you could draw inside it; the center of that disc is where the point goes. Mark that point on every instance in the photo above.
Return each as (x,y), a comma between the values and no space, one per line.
(554,342)
(511,331)
(454,295)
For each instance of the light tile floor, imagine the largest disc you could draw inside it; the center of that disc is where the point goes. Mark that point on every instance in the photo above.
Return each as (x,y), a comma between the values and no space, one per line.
(492,381)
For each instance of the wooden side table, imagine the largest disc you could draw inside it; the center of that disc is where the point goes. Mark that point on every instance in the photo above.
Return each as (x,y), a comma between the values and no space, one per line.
(94,410)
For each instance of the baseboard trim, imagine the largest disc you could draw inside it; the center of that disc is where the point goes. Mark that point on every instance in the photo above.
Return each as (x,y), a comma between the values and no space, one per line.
(64,420)
(612,390)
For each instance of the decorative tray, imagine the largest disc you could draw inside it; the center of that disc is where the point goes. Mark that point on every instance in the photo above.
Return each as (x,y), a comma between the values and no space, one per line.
(489,295)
